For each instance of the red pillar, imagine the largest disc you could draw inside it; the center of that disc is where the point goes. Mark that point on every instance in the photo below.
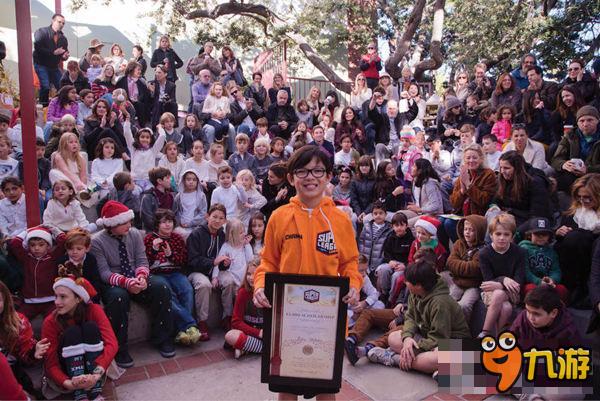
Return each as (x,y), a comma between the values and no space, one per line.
(27,106)
(57,7)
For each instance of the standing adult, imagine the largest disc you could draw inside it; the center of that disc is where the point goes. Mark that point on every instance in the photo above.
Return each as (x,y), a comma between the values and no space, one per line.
(520,73)
(50,49)
(370,65)
(233,67)
(162,94)
(86,60)
(582,80)
(138,56)
(507,92)
(166,56)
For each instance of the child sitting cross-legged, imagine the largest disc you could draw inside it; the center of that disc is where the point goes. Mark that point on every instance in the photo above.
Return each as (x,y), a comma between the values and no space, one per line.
(542,266)
(167,255)
(432,315)
(502,265)
(64,210)
(189,204)
(160,196)
(247,320)
(369,296)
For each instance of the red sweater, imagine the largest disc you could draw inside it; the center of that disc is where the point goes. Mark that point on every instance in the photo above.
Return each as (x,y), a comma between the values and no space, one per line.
(158,261)
(439,250)
(10,389)
(24,348)
(39,274)
(53,332)
(246,317)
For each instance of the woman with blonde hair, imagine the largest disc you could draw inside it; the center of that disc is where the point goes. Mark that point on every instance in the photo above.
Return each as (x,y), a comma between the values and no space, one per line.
(578,229)
(461,85)
(105,83)
(117,59)
(360,93)
(279,84)
(68,163)
(314,103)
(217,105)
(166,56)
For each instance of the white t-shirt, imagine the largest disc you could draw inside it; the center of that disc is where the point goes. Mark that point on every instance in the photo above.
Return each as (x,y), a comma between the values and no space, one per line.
(8,168)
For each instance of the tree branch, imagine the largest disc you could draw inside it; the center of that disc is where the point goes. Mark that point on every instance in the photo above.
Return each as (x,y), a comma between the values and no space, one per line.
(493,61)
(435,50)
(404,40)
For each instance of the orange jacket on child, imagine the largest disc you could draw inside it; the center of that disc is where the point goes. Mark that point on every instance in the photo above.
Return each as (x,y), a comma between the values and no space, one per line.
(319,242)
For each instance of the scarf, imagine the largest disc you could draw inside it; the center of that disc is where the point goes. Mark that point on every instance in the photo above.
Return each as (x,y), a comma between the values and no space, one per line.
(132,89)
(587,219)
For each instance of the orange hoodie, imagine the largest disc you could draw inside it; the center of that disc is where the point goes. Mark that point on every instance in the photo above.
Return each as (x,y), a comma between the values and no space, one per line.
(301,242)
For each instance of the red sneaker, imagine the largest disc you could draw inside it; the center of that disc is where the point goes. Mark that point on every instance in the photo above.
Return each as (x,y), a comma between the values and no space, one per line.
(203,327)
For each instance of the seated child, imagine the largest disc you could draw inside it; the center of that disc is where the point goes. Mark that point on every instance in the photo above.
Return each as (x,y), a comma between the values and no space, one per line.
(173,161)
(464,276)
(78,260)
(107,163)
(160,196)
(545,323)
(256,229)
(228,194)
(8,166)
(502,265)
(123,268)
(369,296)
(189,204)
(426,229)
(318,135)
(199,163)
(341,192)
(144,151)
(64,210)
(217,156)
(261,132)
(13,214)
(542,266)
(236,253)
(34,252)
(43,166)
(395,254)
(278,150)
(431,315)
(241,159)
(373,236)
(490,148)
(167,255)
(124,192)
(247,320)
(347,156)
(203,246)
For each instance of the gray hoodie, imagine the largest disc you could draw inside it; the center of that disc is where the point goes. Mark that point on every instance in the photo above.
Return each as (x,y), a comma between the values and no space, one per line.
(200,203)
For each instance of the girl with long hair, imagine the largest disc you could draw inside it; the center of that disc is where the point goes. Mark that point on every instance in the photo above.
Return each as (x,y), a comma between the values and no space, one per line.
(68,164)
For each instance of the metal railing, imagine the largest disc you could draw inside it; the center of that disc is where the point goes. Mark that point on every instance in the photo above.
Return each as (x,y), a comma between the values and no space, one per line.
(301,88)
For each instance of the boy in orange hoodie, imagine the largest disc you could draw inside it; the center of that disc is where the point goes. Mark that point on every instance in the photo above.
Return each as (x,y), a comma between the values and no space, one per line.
(310,235)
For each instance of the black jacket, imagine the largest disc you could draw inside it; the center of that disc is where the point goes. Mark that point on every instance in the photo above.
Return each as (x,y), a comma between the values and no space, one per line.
(80,83)
(270,193)
(587,86)
(594,288)
(44,47)
(288,113)
(93,133)
(90,272)
(397,248)
(362,195)
(203,248)
(174,62)
(142,107)
(237,115)
(382,122)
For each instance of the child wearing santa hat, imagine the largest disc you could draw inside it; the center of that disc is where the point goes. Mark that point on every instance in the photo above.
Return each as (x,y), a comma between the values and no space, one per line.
(426,229)
(38,258)
(123,267)
(82,341)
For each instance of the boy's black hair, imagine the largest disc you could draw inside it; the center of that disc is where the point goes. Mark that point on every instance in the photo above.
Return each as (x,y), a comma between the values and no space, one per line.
(158,173)
(491,137)
(399,218)
(305,154)
(121,179)
(40,142)
(11,180)
(545,297)
(163,214)
(421,273)
(379,205)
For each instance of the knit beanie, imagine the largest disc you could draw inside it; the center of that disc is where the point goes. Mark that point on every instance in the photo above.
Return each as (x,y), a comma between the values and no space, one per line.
(114,214)
(407,132)
(588,111)
(452,102)
(78,285)
(429,224)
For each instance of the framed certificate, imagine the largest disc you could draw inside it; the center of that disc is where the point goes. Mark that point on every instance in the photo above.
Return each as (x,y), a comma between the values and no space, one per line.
(304,333)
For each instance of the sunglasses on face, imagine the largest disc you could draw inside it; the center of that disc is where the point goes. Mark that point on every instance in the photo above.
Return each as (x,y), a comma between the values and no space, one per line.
(584,199)
(573,69)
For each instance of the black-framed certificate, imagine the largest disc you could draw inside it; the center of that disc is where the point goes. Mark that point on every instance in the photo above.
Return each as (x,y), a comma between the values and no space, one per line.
(304,333)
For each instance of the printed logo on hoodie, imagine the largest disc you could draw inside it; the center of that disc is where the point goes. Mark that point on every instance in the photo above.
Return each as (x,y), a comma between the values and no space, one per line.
(326,243)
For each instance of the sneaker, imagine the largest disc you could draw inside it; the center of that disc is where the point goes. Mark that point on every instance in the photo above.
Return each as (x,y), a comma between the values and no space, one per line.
(383,356)
(123,359)
(203,328)
(167,349)
(350,347)
(194,334)
(238,353)
(183,338)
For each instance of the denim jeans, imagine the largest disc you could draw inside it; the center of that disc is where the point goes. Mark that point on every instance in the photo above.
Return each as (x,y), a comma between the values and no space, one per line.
(47,76)
(182,300)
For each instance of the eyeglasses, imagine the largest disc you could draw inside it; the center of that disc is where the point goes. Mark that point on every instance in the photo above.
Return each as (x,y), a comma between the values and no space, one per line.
(360,79)
(573,69)
(584,198)
(318,172)
(371,48)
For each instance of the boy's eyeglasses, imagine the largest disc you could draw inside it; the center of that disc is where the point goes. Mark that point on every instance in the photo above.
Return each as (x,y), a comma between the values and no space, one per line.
(318,172)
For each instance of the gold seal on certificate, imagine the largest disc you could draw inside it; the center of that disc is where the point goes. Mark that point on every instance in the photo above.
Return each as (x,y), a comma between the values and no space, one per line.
(304,333)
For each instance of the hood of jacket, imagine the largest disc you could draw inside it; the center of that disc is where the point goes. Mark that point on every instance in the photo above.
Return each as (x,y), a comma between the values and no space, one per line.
(480,224)
(181,184)
(440,288)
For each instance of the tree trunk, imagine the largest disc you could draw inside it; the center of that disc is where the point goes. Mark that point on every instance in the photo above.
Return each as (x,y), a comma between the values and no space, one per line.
(435,49)
(404,40)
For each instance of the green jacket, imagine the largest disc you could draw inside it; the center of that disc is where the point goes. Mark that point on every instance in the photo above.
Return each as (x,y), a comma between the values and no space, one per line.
(435,316)
(542,261)
(569,148)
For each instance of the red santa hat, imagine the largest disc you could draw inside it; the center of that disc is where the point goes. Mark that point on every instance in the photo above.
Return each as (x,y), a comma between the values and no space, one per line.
(79,286)
(38,232)
(429,224)
(114,213)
